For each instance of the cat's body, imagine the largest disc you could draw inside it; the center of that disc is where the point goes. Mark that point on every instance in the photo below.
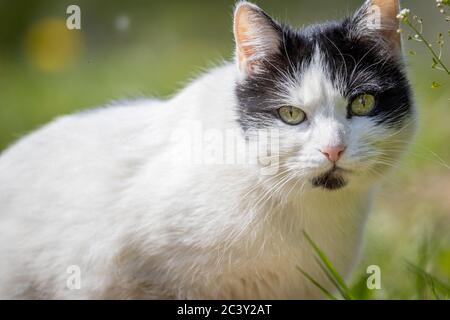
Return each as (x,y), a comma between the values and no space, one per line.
(128,204)
(100,191)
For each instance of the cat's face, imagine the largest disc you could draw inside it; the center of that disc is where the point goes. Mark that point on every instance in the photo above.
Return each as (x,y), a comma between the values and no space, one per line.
(336,92)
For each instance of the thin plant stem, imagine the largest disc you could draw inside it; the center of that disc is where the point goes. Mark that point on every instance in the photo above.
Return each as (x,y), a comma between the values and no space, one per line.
(428,45)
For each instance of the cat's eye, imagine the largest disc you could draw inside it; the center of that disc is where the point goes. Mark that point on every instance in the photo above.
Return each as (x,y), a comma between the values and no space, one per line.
(362,104)
(292,115)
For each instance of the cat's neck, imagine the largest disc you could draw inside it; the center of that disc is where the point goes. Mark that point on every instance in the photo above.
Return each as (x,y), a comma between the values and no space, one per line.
(317,207)
(322,213)
(334,220)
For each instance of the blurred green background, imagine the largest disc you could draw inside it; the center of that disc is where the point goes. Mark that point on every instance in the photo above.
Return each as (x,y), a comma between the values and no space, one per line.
(142,48)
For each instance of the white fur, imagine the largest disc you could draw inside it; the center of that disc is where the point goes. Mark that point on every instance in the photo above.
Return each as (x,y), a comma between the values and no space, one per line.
(99,190)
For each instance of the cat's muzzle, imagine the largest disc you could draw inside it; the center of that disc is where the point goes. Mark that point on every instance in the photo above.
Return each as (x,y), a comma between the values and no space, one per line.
(330,180)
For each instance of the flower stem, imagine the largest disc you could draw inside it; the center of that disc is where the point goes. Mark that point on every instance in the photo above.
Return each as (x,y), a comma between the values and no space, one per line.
(430,48)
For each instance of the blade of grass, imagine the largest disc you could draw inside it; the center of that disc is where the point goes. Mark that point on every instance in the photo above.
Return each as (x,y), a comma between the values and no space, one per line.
(317,284)
(435,293)
(434,283)
(424,249)
(330,277)
(329,266)
(359,288)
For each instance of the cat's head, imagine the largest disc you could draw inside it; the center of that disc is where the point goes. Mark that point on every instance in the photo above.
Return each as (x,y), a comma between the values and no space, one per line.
(337,92)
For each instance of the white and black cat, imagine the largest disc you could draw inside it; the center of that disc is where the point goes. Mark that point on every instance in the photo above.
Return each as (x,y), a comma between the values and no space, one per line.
(100,191)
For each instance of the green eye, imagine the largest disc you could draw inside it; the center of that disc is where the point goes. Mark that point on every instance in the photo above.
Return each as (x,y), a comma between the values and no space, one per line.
(363,104)
(291,115)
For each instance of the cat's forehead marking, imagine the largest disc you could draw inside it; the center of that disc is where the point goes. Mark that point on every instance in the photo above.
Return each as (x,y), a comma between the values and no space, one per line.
(315,90)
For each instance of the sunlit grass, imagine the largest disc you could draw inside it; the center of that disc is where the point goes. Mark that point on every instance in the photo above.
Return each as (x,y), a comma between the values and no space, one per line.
(426,285)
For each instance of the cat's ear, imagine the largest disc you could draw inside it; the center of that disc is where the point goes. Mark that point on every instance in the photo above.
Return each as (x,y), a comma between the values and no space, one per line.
(257,37)
(379,18)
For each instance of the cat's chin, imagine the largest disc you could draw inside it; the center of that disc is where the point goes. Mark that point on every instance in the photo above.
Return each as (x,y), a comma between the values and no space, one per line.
(333,179)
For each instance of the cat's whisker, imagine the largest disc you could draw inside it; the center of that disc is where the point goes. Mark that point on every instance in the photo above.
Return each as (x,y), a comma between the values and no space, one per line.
(263,181)
(340,53)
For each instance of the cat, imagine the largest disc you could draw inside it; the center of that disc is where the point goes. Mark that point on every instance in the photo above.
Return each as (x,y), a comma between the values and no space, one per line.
(104,204)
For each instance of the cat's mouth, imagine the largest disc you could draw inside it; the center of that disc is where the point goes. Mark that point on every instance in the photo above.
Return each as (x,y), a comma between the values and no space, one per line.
(333,179)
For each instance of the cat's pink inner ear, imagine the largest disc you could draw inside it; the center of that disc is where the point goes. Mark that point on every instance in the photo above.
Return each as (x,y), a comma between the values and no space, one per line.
(255,37)
(243,36)
(389,24)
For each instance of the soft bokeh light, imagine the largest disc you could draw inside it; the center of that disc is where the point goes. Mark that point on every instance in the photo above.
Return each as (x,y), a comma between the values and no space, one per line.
(122,23)
(51,47)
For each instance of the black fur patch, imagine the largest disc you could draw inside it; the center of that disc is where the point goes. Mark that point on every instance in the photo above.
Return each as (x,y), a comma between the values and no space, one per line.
(331,180)
(356,65)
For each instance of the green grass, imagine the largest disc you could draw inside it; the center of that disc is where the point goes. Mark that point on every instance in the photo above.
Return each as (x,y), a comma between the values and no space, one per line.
(427,285)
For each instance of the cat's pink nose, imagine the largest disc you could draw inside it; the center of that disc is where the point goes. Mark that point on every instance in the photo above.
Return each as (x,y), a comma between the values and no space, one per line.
(333,153)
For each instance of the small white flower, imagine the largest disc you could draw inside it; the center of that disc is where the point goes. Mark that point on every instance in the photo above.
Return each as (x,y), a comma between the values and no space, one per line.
(403,14)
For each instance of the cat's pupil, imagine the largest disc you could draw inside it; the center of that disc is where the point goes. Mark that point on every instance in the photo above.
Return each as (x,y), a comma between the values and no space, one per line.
(362,100)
